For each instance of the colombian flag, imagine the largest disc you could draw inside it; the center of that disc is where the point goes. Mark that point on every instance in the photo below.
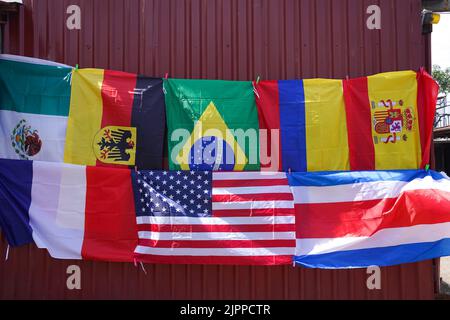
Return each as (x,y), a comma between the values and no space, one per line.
(380,122)
(115,118)
(310,118)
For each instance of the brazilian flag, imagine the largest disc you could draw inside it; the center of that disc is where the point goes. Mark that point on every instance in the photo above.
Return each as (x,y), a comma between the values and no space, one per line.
(212,125)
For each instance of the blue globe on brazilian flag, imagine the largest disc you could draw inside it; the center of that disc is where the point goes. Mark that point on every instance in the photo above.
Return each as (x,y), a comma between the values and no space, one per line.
(212,125)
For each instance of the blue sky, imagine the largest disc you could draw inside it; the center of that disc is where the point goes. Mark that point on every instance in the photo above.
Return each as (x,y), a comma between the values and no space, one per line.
(440,42)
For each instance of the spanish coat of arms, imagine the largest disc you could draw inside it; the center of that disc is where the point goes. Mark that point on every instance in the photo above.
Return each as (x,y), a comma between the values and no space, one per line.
(392,121)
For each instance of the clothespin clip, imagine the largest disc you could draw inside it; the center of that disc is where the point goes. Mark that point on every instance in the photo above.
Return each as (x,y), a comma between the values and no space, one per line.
(135,262)
(166,76)
(69,76)
(346,77)
(289,171)
(254,88)
(427,167)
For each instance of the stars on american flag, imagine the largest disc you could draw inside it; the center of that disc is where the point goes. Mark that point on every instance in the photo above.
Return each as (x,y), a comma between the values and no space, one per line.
(174,193)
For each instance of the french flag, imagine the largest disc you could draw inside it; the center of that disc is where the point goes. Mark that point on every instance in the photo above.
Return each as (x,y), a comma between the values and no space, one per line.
(75,212)
(363,218)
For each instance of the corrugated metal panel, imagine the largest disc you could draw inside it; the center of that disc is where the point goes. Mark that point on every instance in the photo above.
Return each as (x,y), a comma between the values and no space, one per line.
(30,273)
(225,39)
(236,40)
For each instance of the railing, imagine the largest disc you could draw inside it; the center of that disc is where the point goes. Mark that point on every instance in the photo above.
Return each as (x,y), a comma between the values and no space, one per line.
(442,116)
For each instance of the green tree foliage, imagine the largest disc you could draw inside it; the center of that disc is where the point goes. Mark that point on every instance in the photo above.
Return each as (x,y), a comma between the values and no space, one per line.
(442,77)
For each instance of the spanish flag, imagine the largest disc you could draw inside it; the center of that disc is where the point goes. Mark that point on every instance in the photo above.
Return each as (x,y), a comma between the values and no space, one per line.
(390,120)
(380,122)
(115,119)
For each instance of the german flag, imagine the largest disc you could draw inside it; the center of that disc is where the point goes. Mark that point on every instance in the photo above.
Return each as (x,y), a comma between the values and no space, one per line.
(115,119)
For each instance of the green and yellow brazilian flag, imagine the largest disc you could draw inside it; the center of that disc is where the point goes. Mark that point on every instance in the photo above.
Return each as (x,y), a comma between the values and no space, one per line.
(212,125)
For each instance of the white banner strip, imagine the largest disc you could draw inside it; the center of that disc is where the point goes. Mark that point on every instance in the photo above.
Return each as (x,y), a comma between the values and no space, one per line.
(216,221)
(383,238)
(216,235)
(215,251)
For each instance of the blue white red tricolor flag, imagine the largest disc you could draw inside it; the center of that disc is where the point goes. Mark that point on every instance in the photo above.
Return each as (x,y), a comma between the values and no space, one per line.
(75,212)
(358,219)
(214,218)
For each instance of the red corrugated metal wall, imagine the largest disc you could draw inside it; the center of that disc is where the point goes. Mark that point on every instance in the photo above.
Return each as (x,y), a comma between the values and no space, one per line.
(226,39)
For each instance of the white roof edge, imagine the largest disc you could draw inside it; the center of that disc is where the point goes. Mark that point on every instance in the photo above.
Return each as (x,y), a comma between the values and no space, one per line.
(13,57)
(12,1)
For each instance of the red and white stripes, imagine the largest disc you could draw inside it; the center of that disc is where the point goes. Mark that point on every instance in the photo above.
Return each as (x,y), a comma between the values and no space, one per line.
(252,222)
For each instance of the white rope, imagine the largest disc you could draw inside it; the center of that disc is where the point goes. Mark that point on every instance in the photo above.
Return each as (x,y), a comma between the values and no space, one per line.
(7,253)
(142,266)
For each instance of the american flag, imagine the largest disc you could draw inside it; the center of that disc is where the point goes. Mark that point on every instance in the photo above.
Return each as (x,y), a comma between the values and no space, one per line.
(217,218)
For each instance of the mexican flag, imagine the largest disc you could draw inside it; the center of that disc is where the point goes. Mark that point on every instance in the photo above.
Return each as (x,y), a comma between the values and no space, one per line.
(212,125)
(34,105)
